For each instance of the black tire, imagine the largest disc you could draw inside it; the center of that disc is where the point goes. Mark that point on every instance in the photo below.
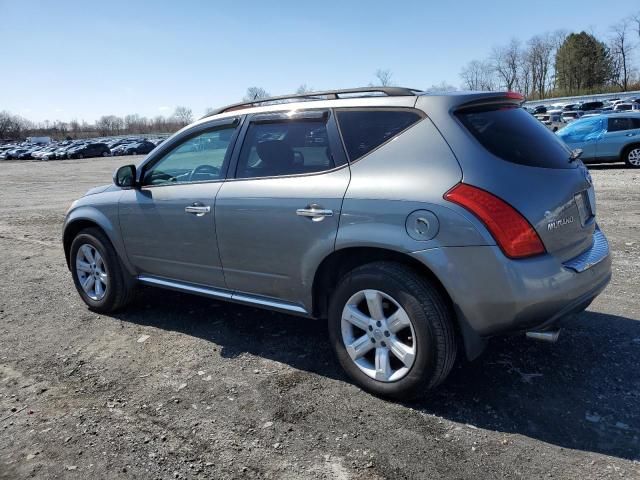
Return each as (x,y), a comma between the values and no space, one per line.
(121,287)
(430,314)
(627,153)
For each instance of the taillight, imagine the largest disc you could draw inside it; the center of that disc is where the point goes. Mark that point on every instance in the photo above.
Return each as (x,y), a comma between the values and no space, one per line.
(513,233)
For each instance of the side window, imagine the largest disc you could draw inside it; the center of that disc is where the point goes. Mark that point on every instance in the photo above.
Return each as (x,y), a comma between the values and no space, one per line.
(198,159)
(364,130)
(618,124)
(635,123)
(286,147)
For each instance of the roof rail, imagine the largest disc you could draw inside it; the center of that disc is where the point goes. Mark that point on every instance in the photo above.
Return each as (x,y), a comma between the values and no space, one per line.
(323,95)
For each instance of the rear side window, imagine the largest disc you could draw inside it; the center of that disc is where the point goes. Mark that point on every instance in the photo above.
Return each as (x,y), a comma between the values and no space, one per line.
(364,130)
(294,147)
(512,134)
(619,124)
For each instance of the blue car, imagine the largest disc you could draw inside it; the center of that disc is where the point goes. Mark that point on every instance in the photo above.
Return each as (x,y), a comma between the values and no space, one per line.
(605,138)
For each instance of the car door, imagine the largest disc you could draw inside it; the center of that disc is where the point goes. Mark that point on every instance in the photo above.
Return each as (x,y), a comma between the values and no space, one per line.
(620,132)
(168,222)
(278,217)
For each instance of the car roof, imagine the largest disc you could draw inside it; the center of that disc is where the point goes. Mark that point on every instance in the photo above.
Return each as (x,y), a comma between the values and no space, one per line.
(360,97)
(625,114)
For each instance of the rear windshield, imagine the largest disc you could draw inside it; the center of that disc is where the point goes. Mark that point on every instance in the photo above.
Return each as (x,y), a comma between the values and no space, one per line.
(514,135)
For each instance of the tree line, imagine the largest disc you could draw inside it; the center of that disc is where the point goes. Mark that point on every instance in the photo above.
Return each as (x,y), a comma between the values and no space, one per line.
(15,127)
(561,63)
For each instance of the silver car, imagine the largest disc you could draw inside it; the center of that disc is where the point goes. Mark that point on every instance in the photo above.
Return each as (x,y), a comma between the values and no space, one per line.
(417,225)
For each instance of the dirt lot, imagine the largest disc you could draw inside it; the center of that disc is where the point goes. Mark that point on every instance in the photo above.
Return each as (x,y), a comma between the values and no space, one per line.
(185,387)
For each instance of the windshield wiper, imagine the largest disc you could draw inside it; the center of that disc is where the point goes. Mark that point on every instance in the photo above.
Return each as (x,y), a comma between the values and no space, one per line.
(575,154)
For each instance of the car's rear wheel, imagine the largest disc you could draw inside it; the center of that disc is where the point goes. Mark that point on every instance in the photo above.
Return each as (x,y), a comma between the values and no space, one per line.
(632,156)
(105,154)
(392,330)
(97,272)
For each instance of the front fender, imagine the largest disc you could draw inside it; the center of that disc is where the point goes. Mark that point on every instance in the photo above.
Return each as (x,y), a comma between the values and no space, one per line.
(103,216)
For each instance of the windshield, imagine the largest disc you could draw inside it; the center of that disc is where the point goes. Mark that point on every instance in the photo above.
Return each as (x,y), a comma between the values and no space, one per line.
(582,130)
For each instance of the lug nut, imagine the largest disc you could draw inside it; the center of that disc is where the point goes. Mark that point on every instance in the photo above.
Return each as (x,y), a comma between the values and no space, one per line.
(373,340)
(386,333)
(383,344)
(370,328)
(379,323)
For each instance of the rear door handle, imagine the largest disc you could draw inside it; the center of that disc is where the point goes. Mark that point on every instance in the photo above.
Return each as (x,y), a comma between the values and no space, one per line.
(314,212)
(197,209)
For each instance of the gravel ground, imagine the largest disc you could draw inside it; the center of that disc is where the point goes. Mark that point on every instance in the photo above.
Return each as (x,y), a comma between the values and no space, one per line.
(185,387)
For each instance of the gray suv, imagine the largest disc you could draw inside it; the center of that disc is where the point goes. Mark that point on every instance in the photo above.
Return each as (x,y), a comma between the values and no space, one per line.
(417,225)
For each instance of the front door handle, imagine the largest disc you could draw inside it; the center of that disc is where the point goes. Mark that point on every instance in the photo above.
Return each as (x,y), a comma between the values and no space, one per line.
(197,209)
(315,212)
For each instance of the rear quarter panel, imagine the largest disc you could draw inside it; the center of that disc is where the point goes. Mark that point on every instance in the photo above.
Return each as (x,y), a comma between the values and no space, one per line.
(410,172)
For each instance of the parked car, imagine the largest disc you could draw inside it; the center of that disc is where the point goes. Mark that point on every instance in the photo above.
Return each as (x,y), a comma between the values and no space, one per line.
(139,148)
(539,109)
(45,153)
(605,138)
(409,260)
(89,150)
(588,106)
(553,121)
(119,149)
(568,117)
(15,153)
(625,106)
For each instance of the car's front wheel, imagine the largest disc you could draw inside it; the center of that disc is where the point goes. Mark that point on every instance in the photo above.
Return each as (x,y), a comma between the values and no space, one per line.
(97,272)
(392,330)
(632,156)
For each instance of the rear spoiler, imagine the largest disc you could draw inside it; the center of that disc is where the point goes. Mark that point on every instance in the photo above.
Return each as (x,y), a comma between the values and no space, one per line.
(492,98)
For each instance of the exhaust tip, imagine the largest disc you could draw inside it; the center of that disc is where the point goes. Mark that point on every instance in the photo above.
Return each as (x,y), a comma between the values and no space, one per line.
(550,336)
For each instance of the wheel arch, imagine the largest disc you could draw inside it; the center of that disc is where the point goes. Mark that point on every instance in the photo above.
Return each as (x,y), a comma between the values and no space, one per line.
(338,263)
(87,217)
(627,148)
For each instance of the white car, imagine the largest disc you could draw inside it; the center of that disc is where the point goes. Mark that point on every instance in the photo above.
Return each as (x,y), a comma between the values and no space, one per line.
(552,120)
(570,116)
(626,106)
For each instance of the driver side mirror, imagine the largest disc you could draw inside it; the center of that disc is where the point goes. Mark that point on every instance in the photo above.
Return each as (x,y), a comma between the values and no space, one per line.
(125,176)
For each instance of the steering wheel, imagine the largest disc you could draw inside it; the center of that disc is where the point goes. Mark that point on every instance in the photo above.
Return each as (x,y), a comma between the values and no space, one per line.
(210,169)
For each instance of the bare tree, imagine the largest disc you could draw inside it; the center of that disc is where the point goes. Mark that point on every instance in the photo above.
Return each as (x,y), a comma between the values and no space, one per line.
(107,125)
(541,49)
(183,115)
(506,63)
(442,87)
(621,47)
(477,75)
(636,20)
(304,89)
(383,78)
(255,93)
(11,126)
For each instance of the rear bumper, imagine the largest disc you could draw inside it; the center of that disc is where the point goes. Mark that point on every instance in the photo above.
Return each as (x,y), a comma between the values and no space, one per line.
(494,295)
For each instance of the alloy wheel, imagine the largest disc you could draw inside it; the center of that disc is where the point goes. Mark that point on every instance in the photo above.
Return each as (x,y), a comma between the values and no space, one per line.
(634,157)
(378,335)
(92,272)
